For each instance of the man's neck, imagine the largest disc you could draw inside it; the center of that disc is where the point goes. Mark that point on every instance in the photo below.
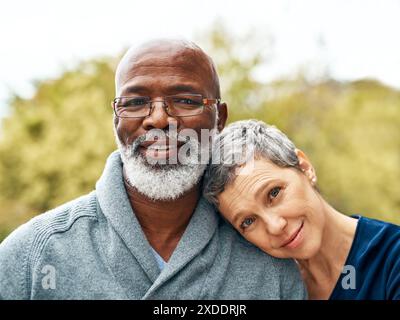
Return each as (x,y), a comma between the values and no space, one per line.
(163,221)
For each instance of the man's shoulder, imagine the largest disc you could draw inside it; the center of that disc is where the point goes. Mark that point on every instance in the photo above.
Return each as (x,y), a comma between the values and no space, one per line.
(58,220)
(274,278)
(20,250)
(61,218)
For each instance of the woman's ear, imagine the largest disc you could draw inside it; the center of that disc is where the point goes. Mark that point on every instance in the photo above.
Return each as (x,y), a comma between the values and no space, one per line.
(306,166)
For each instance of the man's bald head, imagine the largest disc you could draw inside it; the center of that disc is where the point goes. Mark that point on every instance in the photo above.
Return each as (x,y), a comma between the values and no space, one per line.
(167,53)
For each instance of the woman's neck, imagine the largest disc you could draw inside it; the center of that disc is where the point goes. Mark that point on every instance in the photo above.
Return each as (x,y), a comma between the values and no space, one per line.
(321,272)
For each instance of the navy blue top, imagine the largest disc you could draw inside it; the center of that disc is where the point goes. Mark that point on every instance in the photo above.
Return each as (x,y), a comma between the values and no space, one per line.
(372,268)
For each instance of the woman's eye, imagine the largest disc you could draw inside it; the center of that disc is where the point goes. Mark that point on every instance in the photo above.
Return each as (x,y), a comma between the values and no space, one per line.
(246,223)
(274,192)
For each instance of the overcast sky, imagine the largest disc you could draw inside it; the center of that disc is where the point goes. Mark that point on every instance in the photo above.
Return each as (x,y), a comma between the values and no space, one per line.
(39,38)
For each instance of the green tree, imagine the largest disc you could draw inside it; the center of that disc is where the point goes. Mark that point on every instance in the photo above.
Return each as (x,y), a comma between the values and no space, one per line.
(54,145)
(351,132)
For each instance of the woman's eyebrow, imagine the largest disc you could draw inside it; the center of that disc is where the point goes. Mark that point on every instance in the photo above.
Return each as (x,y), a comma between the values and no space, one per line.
(264,185)
(237,216)
(257,190)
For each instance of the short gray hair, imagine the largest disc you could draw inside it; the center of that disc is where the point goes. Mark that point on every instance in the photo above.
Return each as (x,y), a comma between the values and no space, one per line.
(238,141)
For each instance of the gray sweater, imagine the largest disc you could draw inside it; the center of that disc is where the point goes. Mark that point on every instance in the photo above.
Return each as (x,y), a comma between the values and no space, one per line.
(94,248)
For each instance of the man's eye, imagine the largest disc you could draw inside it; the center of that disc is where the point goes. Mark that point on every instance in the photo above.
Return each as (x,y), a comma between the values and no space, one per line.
(274,192)
(186,101)
(247,222)
(135,102)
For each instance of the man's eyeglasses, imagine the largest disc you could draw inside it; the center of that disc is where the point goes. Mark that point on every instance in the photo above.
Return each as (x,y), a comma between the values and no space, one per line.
(180,105)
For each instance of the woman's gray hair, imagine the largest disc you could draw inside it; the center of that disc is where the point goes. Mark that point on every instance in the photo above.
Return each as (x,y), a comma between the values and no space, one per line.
(239,143)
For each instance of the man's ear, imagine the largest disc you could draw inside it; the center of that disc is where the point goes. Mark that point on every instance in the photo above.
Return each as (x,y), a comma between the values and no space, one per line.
(222,116)
(306,166)
(115,118)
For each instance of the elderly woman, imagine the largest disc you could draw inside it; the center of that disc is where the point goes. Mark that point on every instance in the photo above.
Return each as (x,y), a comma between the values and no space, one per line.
(266,188)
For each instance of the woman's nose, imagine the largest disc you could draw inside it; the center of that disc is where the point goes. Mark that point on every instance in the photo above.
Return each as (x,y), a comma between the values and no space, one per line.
(275,224)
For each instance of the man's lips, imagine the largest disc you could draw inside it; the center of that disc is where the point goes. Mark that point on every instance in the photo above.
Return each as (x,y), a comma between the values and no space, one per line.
(294,239)
(161,144)
(160,149)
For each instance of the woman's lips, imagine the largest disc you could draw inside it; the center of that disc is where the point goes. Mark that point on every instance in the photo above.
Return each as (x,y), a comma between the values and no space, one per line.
(295,240)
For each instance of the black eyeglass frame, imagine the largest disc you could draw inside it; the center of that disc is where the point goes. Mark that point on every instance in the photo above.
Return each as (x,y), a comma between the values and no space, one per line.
(149,105)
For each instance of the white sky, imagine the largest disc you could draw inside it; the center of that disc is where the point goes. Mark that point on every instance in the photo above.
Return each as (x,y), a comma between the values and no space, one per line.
(39,38)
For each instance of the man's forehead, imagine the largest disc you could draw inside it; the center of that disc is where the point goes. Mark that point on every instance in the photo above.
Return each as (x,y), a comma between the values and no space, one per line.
(153,62)
(163,46)
(167,59)
(163,54)
(165,51)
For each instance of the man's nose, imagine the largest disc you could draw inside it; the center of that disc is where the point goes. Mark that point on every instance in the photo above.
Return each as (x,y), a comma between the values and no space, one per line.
(158,118)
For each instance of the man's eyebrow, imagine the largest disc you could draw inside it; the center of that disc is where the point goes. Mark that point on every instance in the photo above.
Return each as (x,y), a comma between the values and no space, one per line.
(183,88)
(135,89)
(177,88)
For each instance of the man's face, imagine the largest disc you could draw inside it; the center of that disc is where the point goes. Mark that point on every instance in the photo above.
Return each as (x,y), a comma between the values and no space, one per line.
(157,73)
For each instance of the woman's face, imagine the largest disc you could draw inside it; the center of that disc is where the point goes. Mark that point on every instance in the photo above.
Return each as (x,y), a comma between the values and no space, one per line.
(275,208)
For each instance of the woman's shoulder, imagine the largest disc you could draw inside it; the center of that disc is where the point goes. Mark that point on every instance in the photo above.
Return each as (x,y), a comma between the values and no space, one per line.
(377,230)
(372,234)
(381,246)
(373,262)
(376,222)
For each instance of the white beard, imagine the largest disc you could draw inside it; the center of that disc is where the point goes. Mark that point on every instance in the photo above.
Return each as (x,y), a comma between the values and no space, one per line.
(163,182)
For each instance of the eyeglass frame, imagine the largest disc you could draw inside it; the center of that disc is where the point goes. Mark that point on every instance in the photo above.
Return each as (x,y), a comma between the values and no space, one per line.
(205,102)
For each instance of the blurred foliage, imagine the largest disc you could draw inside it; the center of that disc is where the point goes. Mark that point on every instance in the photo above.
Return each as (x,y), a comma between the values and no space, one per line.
(54,145)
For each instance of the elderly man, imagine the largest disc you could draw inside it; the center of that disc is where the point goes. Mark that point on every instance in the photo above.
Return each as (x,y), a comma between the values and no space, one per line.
(146,232)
